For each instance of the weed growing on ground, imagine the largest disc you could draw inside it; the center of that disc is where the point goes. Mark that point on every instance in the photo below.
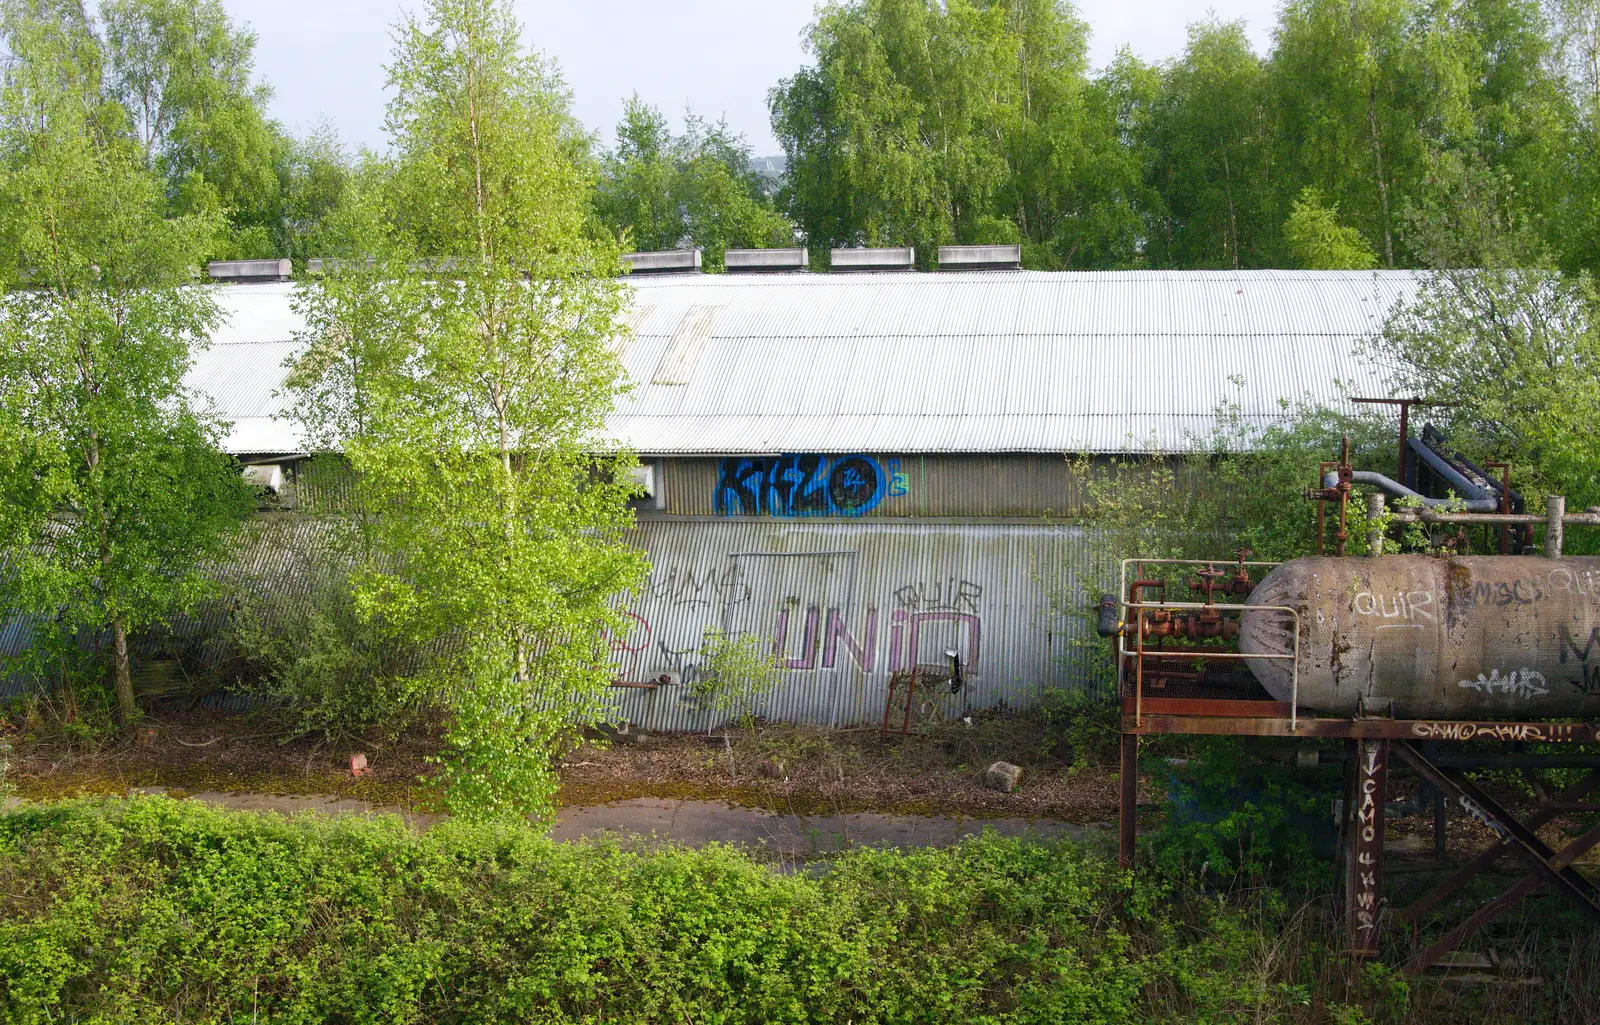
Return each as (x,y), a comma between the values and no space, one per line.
(152,909)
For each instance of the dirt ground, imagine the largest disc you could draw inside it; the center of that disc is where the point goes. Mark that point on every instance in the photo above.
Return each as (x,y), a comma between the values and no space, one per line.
(782,768)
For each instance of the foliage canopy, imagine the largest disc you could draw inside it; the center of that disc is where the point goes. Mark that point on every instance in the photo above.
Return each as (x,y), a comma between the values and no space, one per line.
(114,490)
(470,407)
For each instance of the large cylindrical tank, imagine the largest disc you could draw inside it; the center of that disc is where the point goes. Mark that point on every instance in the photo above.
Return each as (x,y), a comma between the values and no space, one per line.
(1485,637)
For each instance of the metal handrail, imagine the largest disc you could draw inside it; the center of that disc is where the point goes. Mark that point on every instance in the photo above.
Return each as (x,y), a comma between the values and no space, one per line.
(1125,604)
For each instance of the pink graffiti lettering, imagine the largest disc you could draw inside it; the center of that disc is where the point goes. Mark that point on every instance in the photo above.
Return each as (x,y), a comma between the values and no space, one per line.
(808,643)
(863,652)
(974,629)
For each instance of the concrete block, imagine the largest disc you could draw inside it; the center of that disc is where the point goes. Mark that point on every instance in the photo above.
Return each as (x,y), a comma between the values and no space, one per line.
(1003,776)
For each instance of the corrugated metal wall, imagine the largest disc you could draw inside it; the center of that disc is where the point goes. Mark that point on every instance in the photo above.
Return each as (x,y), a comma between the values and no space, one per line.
(272,554)
(846,603)
(842,602)
(1008,484)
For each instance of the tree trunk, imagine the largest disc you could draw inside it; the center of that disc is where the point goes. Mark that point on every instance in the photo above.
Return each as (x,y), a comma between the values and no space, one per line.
(1383,185)
(1233,218)
(121,674)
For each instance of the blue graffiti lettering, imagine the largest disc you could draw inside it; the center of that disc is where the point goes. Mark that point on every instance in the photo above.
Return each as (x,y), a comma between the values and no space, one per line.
(805,485)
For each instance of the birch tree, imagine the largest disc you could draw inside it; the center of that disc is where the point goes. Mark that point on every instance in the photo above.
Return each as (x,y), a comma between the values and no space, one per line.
(470,403)
(114,487)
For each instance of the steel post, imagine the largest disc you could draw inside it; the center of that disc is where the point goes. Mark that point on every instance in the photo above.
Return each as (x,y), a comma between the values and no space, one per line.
(1363,873)
(1555,509)
(1128,800)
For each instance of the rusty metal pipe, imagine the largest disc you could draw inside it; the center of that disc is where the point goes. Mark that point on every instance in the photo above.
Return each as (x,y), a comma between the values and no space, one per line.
(1108,623)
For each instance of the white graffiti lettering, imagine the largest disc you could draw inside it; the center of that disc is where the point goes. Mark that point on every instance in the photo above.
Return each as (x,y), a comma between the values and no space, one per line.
(1551,733)
(1522,683)
(1408,605)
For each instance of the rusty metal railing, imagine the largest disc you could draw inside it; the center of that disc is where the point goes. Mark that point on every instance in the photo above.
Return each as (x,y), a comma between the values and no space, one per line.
(1137,609)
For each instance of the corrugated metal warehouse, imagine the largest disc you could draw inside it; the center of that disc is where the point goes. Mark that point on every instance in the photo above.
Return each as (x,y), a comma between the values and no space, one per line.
(870,469)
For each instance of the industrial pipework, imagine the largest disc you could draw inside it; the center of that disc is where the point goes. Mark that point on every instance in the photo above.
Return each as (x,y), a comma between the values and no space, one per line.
(1395,655)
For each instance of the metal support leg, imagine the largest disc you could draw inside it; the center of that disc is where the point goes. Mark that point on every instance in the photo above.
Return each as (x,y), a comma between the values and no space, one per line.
(1363,871)
(1128,800)
(1430,751)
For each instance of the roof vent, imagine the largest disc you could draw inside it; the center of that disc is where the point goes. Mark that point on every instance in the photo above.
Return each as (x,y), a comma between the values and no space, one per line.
(768,261)
(250,271)
(322,265)
(898,258)
(980,257)
(667,261)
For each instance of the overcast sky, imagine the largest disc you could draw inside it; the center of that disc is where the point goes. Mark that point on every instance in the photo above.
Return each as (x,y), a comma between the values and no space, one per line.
(324,58)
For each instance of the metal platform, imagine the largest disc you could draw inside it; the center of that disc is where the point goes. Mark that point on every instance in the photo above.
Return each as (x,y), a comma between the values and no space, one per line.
(1174,669)
(1372,744)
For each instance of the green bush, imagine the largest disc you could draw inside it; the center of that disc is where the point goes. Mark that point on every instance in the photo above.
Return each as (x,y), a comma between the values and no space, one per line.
(156,910)
(1233,817)
(734,675)
(336,670)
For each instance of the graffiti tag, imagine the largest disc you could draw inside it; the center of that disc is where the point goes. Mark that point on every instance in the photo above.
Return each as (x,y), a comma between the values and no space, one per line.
(1477,814)
(1549,733)
(951,594)
(1401,605)
(1522,683)
(711,589)
(1566,643)
(1536,588)
(805,485)
(1366,885)
(810,641)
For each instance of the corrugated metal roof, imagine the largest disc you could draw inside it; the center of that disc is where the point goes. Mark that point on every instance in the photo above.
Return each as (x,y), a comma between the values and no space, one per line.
(243,370)
(950,362)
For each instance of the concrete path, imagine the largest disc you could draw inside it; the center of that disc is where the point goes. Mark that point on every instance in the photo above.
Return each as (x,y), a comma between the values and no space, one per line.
(781,837)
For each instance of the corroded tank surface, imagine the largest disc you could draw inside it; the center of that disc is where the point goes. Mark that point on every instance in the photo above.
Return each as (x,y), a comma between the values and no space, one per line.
(1490,637)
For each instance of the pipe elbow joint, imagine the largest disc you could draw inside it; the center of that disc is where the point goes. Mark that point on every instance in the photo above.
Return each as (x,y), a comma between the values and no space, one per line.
(1109,621)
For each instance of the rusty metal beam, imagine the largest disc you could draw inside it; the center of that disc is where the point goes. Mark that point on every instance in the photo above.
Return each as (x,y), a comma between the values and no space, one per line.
(1500,905)
(1518,838)
(1366,729)
(1490,855)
